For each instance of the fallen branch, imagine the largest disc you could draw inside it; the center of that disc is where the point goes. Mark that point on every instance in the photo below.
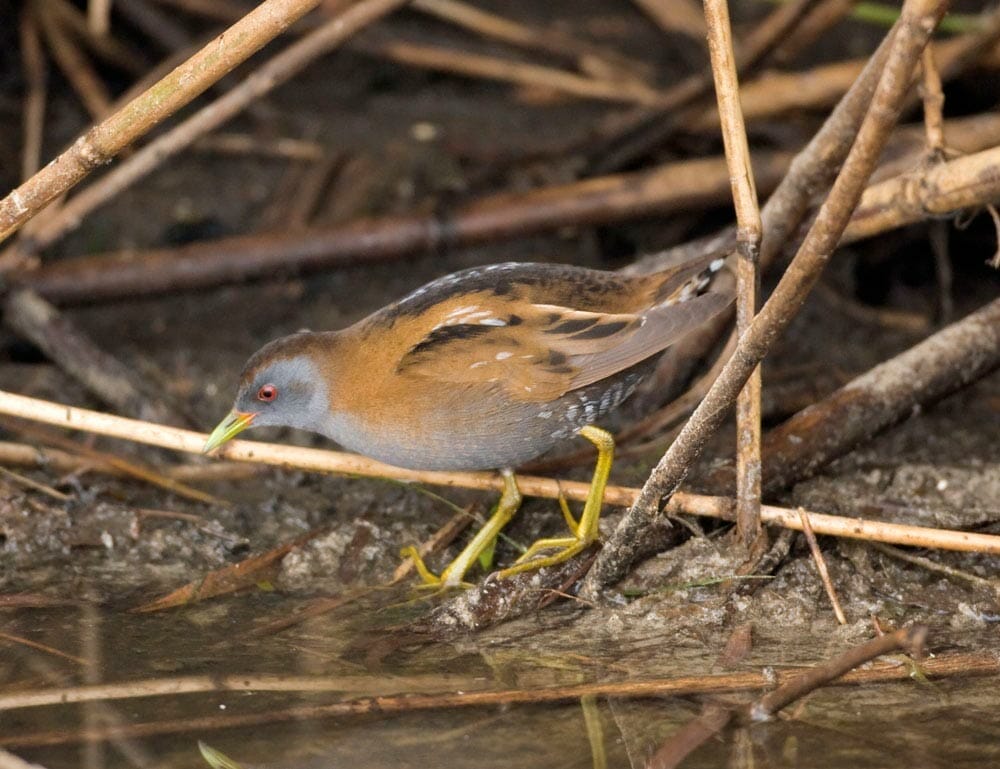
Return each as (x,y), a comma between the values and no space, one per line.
(965,182)
(667,188)
(944,362)
(104,376)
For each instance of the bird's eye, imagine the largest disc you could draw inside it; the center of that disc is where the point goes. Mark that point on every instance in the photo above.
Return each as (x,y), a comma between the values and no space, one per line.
(267,393)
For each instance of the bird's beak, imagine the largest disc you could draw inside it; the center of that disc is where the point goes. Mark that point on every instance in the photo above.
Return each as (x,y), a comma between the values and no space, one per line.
(229,428)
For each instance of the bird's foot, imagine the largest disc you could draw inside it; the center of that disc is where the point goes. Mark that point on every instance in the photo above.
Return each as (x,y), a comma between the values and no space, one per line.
(482,543)
(585,531)
(530,561)
(448,578)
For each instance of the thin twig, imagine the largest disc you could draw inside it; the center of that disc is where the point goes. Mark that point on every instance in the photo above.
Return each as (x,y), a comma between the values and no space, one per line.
(507,71)
(824,573)
(589,58)
(818,20)
(106,47)
(992,585)
(748,237)
(99,16)
(244,144)
(128,467)
(933,98)
(104,376)
(910,639)
(682,16)
(74,65)
(16,639)
(31,483)
(443,537)
(161,27)
(941,190)
(639,134)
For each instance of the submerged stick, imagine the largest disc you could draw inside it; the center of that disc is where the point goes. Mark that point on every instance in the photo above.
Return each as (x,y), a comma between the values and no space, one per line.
(950,665)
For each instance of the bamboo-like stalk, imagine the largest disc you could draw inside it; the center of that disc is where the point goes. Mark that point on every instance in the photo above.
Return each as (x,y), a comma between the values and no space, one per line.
(748,237)
(319,460)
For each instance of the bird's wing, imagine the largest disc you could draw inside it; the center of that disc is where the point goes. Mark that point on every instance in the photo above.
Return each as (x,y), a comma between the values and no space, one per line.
(544,351)
(659,328)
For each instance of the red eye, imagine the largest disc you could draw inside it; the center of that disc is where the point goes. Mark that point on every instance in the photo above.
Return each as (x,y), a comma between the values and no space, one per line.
(267,393)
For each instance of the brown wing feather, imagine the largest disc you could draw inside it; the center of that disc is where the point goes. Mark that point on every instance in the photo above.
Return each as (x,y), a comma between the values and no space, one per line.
(661,327)
(523,356)
(551,350)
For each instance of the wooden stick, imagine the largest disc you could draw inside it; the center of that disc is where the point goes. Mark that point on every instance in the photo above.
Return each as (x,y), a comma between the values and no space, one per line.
(637,135)
(104,376)
(589,58)
(610,198)
(104,46)
(99,16)
(319,460)
(888,393)
(818,20)
(748,237)
(508,71)
(910,639)
(933,96)
(824,573)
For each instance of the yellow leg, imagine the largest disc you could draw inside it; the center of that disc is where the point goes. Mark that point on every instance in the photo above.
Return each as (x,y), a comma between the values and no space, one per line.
(510,500)
(571,522)
(586,531)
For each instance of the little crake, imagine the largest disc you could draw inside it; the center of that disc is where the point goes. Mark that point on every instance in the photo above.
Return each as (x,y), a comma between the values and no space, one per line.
(483,369)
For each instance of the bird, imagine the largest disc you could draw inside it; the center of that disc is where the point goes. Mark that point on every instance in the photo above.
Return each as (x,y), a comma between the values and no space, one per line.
(482,369)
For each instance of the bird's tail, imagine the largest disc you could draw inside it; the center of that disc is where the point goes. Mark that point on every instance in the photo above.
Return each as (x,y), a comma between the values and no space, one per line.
(689,279)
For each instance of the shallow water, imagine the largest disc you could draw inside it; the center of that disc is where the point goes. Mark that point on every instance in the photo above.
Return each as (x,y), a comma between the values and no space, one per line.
(947,723)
